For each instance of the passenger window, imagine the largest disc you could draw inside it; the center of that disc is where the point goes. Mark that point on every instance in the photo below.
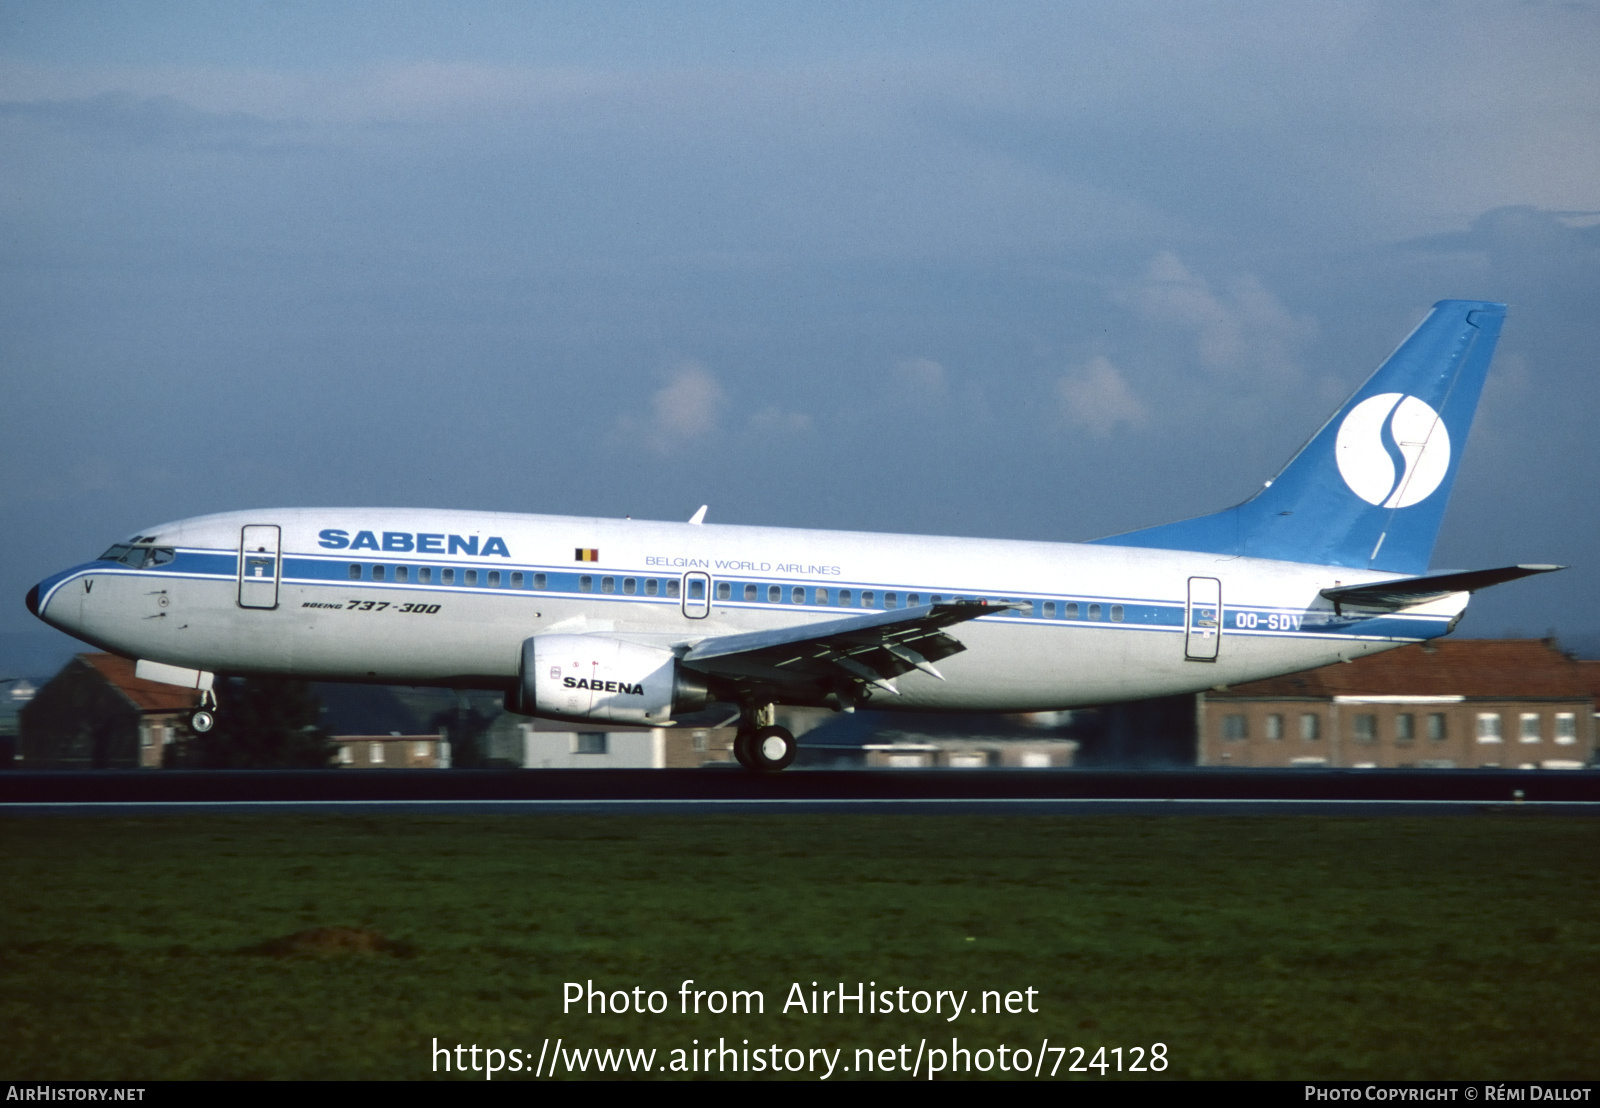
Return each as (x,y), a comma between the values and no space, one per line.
(672,588)
(424,574)
(844,598)
(540,581)
(697,589)
(355,573)
(820,597)
(608,584)
(724,590)
(629,586)
(1116,613)
(1049,609)
(471,577)
(1094,611)
(797,595)
(401,573)
(750,592)
(516,580)
(377,573)
(774,594)
(1072,611)
(912,600)
(651,586)
(866,599)
(494,578)
(447,576)
(935,599)
(890,600)
(586,583)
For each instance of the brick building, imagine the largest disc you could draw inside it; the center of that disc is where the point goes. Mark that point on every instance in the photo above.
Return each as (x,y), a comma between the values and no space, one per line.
(95,714)
(1513,703)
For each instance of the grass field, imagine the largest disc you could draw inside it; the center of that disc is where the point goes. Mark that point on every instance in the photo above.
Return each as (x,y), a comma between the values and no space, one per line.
(1296,947)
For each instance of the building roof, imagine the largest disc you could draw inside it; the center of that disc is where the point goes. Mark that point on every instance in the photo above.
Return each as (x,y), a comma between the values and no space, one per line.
(146,696)
(1498,668)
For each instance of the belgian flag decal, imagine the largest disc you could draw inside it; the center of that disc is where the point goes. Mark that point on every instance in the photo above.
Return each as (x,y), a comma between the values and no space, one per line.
(586,554)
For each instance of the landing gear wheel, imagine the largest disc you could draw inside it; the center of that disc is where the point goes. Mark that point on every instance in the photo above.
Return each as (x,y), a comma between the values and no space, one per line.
(767,749)
(741,749)
(202,721)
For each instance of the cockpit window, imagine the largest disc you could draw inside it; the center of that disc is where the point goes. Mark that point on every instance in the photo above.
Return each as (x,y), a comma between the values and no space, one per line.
(139,556)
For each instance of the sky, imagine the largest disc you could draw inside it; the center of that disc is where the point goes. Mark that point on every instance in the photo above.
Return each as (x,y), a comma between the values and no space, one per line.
(1040,271)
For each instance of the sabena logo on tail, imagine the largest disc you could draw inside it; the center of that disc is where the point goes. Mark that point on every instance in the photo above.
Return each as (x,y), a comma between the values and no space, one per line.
(1393,450)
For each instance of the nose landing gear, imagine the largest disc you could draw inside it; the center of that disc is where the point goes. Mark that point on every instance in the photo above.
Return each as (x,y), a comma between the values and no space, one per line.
(204,718)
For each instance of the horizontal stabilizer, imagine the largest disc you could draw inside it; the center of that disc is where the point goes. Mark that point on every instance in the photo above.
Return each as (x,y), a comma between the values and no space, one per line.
(1406,591)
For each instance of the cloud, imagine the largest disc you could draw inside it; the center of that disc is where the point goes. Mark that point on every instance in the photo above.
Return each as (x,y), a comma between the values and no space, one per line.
(920,379)
(1241,329)
(1098,398)
(686,408)
(775,421)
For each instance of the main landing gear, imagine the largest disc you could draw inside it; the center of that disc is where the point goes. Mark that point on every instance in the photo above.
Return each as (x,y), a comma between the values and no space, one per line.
(204,718)
(761,745)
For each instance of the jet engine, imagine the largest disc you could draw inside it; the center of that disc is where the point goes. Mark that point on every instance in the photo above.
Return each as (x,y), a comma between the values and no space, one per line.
(592,677)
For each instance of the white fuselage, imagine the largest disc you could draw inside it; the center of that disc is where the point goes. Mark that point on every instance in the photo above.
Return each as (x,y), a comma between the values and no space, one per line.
(448,598)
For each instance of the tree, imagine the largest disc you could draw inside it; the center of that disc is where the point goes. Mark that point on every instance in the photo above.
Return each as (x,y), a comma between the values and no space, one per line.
(262,723)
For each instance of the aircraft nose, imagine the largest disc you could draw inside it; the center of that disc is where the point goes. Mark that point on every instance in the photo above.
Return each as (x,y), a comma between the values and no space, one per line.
(32,600)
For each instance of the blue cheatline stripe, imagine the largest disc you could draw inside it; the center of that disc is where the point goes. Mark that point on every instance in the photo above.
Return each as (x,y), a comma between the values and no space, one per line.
(1137,615)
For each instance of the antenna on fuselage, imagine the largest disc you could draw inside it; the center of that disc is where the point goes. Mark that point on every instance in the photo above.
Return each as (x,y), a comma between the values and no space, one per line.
(700,516)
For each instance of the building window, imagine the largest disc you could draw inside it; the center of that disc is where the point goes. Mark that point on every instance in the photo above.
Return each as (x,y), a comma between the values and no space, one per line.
(1364,727)
(346,755)
(1310,726)
(1437,730)
(1405,728)
(420,750)
(1116,613)
(589,742)
(1566,728)
(1274,726)
(1234,727)
(375,753)
(1488,727)
(1528,729)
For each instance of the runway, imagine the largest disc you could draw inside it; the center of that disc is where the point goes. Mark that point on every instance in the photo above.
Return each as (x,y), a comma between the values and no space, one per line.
(705,791)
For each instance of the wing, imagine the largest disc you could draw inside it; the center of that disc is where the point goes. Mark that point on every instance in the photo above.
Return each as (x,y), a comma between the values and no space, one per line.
(846,657)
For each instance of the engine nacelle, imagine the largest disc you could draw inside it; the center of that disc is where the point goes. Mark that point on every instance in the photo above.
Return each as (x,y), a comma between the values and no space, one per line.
(592,677)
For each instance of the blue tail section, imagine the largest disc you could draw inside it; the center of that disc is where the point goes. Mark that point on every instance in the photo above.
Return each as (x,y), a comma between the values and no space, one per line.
(1370,488)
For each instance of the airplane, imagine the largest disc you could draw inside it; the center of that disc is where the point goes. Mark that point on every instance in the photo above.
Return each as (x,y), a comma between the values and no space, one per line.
(644,623)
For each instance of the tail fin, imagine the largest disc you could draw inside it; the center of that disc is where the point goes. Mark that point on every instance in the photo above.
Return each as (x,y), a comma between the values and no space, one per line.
(1370,488)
